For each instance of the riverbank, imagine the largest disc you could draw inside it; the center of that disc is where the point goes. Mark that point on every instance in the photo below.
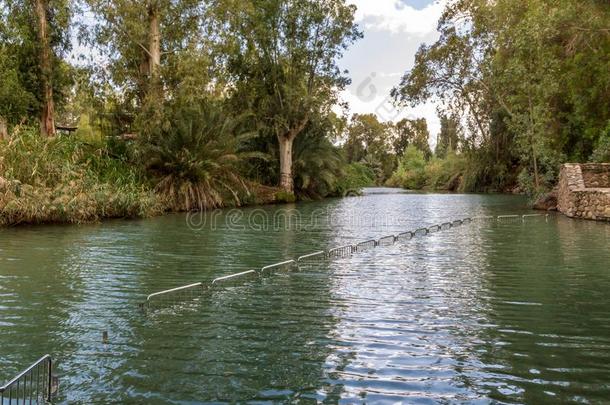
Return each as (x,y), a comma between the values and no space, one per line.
(76,180)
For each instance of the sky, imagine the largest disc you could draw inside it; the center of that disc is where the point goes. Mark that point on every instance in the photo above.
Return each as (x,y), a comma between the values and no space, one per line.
(393,31)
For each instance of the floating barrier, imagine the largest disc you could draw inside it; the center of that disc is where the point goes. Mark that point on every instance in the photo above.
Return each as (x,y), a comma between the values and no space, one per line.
(35,384)
(169,297)
(341,252)
(193,290)
(387,241)
(434,228)
(287,265)
(421,232)
(315,257)
(366,245)
(404,236)
(233,276)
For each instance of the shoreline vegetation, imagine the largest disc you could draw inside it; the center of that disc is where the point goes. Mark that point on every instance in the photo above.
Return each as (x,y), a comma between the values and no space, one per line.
(190,105)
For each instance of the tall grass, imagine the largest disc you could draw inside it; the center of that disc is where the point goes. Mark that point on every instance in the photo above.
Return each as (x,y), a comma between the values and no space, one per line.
(64,179)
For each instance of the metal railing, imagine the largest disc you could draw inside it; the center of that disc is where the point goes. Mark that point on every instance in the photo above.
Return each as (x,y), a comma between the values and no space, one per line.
(192,290)
(34,385)
(233,276)
(315,257)
(387,240)
(287,265)
(404,236)
(434,228)
(366,245)
(173,295)
(341,252)
(421,232)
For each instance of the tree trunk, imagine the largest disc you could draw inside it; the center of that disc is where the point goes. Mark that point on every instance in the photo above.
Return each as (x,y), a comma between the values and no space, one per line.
(47,116)
(3,129)
(286,180)
(154,46)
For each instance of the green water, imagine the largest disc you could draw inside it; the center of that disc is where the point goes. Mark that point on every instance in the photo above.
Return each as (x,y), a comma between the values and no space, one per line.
(509,312)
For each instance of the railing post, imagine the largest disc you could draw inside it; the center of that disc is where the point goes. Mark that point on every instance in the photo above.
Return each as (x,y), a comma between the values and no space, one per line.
(49,380)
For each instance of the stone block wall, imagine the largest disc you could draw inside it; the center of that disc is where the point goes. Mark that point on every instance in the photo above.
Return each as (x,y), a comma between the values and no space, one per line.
(584,190)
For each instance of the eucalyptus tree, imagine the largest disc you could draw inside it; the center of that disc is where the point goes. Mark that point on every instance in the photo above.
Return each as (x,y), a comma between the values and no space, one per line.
(282,63)
(412,132)
(540,66)
(141,41)
(34,37)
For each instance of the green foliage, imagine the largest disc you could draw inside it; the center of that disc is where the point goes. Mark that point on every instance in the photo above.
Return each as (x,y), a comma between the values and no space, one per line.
(66,180)
(445,173)
(411,171)
(601,153)
(318,164)
(412,132)
(194,157)
(286,197)
(368,141)
(529,79)
(356,176)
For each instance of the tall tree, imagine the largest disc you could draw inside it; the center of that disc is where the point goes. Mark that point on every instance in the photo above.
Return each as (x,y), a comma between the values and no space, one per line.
(541,66)
(448,138)
(283,63)
(142,40)
(37,36)
(412,132)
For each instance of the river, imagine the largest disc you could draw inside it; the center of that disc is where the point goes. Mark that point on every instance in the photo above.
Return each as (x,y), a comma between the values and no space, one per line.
(513,311)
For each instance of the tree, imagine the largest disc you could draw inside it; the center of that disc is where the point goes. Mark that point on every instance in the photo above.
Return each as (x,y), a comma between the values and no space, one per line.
(143,42)
(412,132)
(368,141)
(282,59)
(36,36)
(539,66)
(448,138)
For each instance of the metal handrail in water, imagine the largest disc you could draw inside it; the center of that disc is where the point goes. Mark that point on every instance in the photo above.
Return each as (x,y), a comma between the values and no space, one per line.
(173,290)
(434,228)
(321,254)
(387,240)
(232,276)
(457,222)
(341,252)
(367,244)
(42,384)
(405,236)
(446,225)
(421,232)
(278,265)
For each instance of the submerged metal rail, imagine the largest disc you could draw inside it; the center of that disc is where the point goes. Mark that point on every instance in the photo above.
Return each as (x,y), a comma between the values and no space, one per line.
(367,244)
(34,385)
(321,256)
(341,252)
(232,276)
(387,240)
(287,265)
(315,257)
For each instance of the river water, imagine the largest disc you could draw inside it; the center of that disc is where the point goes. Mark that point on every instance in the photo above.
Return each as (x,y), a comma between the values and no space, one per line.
(491,312)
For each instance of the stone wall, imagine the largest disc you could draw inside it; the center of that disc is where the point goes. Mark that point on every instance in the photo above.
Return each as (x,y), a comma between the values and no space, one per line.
(584,190)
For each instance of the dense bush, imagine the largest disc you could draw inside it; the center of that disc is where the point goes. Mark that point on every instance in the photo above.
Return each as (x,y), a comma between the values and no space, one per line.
(355,178)
(63,179)
(194,157)
(411,171)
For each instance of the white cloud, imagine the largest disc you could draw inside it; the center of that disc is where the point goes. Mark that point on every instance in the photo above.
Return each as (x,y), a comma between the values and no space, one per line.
(396,16)
(393,31)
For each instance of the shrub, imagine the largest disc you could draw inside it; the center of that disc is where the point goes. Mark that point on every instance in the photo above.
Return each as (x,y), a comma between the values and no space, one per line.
(63,179)
(410,173)
(194,157)
(356,177)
